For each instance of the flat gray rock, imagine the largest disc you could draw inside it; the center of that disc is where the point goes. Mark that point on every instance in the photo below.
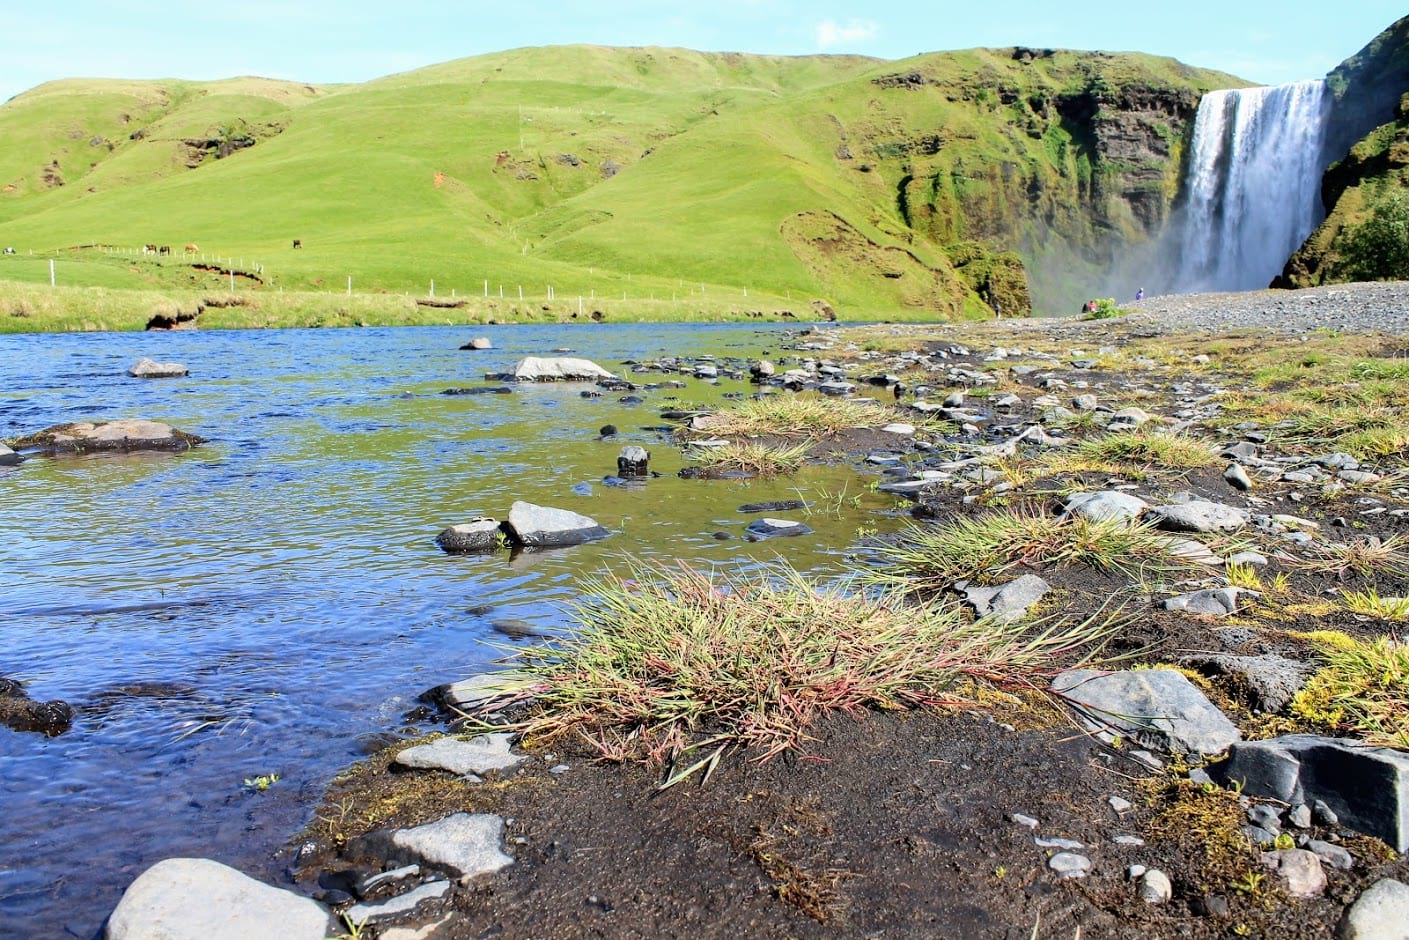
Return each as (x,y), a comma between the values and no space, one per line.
(1005,602)
(1270,680)
(126,434)
(477,756)
(465,844)
(474,694)
(1105,504)
(545,527)
(1197,515)
(1069,865)
(1380,913)
(363,914)
(1128,419)
(1160,708)
(1366,787)
(145,368)
(1217,602)
(479,535)
(555,369)
(8,458)
(196,897)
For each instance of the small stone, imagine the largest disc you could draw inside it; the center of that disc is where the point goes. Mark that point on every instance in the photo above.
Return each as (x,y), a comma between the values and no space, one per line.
(1022,820)
(900,428)
(1324,814)
(1124,839)
(1120,804)
(1330,854)
(1085,403)
(1134,871)
(1300,816)
(1300,871)
(769,528)
(1265,816)
(1155,887)
(1070,845)
(1069,865)
(372,913)
(1237,477)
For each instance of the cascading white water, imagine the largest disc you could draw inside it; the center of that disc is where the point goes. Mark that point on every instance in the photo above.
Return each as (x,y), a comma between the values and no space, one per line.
(1253,185)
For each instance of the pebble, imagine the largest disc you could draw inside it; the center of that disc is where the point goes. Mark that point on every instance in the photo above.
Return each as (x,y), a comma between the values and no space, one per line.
(1155,887)
(1120,804)
(1070,845)
(1022,820)
(1069,865)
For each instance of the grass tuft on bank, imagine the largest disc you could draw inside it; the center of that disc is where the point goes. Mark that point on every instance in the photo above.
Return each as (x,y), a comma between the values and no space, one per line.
(1362,689)
(795,416)
(930,559)
(670,663)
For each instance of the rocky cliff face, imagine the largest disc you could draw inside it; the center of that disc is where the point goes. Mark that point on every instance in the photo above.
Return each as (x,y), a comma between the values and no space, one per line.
(1080,158)
(1367,142)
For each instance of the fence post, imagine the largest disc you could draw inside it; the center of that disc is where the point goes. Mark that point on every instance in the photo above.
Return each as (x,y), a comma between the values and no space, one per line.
(432,288)
(349,285)
(52,282)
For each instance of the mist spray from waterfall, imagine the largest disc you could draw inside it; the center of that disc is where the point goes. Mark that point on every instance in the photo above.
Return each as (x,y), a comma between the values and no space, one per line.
(1252,192)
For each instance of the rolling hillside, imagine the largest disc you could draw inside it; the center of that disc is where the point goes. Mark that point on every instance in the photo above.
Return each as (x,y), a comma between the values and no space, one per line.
(920,188)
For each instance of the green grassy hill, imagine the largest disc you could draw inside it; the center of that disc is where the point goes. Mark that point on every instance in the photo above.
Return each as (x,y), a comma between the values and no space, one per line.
(917,189)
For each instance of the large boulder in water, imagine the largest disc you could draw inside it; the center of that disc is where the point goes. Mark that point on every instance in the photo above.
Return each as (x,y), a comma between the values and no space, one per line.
(545,527)
(479,535)
(197,897)
(554,369)
(124,435)
(145,368)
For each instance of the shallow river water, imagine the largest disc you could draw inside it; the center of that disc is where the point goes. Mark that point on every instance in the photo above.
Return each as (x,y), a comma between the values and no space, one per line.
(273,601)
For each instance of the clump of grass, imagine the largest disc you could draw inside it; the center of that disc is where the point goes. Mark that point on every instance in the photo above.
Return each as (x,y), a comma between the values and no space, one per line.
(930,559)
(795,416)
(1363,689)
(666,656)
(1148,449)
(1370,603)
(754,458)
(1366,557)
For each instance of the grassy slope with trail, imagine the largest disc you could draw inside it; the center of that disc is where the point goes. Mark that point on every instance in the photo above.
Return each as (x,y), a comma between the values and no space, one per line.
(656,173)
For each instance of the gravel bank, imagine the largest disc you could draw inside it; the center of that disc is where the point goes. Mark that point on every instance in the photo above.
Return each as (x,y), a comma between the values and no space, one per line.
(1372,307)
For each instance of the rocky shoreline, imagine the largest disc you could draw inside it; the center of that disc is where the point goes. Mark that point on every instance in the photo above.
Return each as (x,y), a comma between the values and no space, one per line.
(1205,797)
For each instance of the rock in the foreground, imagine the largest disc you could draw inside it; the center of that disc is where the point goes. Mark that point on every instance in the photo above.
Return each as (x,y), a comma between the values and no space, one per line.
(8,458)
(1381,913)
(1005,602)
(1366,787)
(1160,708)
(465,844)
(554,369)
(145,368)
(545,527)
(476,756)
(124,435)
(480,535)
(183,898)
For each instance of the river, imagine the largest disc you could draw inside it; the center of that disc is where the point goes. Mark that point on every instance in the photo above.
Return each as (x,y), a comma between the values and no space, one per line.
(273,601)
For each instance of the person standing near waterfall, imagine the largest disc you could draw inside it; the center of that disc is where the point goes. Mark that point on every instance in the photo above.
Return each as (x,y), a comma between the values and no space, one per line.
(1140,295)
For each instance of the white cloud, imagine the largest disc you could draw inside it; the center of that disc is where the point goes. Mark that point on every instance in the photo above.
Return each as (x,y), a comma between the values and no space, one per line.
(831,33)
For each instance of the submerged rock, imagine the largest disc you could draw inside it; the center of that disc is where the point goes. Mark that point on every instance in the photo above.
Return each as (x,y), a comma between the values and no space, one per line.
(197,897)
(21,713)
(8,458)
(768,528)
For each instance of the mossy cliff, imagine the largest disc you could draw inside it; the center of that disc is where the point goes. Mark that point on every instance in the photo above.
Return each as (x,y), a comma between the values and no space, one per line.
(1367,137)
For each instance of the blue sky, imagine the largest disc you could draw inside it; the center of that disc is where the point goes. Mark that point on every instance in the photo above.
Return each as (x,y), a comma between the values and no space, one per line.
(355,40)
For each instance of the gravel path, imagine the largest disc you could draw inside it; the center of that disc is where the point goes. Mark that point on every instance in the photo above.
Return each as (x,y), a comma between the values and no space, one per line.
(1348,308)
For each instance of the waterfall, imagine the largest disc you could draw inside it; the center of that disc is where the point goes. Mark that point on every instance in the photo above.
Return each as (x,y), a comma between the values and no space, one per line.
(1252,193)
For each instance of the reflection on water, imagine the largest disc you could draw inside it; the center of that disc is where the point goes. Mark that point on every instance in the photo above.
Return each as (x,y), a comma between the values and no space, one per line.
(266,602)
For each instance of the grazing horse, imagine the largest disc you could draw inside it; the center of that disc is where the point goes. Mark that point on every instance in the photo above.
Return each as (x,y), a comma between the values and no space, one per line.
(9,251)
(193,248)
(149,249)
(164,250)
(298,243)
